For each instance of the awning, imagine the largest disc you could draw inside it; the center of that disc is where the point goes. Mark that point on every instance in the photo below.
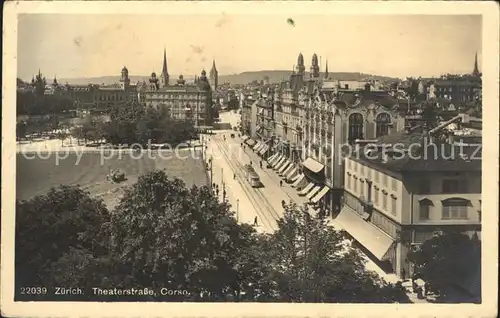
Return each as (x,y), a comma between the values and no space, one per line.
(291,174)
(264,149)
(250,142)
(287,170)
(270,159)
(300,178)
(377,242)
(258,149)
(320,194)
(306,189)
(284,167)
(277,159)
(273,161)
(296,178)
(279,163)
(244,138)
(312,165)
(311,193)
(257,145)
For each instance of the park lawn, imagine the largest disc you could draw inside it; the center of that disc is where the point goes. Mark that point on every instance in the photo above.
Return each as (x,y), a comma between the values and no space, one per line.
(37,176)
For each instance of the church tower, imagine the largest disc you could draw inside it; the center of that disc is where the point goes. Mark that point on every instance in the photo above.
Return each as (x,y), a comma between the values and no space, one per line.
(301,69)
(124,80)
(214,77)
(476,68)
(326,70)
(314,67)
(165,78)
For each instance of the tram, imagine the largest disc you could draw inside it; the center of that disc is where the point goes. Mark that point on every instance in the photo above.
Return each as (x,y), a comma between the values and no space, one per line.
(252,176)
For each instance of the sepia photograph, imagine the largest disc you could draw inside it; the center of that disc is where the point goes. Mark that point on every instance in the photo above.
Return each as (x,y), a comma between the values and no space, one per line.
(250,154)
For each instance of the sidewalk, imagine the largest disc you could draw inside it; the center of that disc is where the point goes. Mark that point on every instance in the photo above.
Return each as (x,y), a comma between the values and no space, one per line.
(238,193)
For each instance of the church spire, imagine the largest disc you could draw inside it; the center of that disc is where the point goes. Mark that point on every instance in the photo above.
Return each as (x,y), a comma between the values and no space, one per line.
(326,70)
(164,71)
(476,68)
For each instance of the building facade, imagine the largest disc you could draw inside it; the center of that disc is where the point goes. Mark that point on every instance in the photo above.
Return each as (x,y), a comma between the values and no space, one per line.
(182,100)
(312,120)
(392,205)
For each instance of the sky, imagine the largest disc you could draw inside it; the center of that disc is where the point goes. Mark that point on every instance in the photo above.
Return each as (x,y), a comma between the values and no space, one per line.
(69,45)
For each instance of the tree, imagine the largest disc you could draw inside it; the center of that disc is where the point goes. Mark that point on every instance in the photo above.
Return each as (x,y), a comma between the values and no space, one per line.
(58,228)
(185,238)
(310,263)
(21,130)
(447,261)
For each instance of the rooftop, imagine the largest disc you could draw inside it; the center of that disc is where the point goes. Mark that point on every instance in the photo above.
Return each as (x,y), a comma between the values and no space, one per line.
(403,152)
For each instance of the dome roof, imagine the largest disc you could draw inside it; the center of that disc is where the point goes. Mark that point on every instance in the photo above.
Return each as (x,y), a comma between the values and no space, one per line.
(153,74)
(181,77)
(124,69)
(203,73)
(300,59)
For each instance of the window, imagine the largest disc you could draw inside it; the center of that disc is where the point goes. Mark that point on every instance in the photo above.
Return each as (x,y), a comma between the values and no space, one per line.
(348,181)
(384,180)
(375,198)
(355,127)
(384,201)
(450,186)
(394,206)
(369,191)
(377,174)
(424,209)
(362,170)
(362,188)
(455,208)
(383,121)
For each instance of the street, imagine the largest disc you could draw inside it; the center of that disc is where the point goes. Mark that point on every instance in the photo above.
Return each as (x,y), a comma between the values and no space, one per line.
(229,159)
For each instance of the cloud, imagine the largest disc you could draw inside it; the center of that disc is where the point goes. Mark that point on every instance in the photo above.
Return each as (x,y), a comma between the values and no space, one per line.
(197,49)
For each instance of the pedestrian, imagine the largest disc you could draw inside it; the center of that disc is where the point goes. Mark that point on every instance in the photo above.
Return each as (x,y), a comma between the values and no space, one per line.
(255,223)
(427,288)
(250,162)
(403,274)
(260,163)
(234,176)
(281,183)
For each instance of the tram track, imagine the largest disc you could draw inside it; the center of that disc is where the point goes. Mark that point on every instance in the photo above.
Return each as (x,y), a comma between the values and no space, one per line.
(260,207)
(259,192)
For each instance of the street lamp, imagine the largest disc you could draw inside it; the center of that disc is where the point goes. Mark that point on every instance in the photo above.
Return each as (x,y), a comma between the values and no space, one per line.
(237,210)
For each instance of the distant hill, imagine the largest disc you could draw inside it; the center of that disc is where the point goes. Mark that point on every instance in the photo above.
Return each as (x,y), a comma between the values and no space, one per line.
(241,78)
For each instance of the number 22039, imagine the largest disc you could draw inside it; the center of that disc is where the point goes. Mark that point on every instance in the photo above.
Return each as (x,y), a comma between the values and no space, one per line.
(33,290)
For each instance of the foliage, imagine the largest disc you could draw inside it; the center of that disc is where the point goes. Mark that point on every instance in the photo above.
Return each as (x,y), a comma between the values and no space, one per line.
(21,129)
(183,238)
(448,260)
(29,103)
(134,124)
(53,230)
(162,234)
(311,263)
